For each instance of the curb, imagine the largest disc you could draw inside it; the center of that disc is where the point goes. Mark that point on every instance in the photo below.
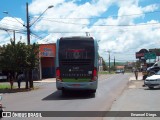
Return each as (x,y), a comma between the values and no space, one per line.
(46,80)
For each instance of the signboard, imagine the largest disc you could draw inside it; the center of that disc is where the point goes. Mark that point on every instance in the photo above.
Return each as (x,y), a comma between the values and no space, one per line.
(141,53)
(150,55)
(47,50)
(156,50)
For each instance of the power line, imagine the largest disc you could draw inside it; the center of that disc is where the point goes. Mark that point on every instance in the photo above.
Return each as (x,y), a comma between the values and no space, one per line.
(133,25)
(64,22)
(10,26)
(38,37)
(35,35)
(101,31)
(107,16)
(9,29)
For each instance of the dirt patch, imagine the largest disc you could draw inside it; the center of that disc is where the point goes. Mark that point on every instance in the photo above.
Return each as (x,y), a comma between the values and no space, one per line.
(136,84)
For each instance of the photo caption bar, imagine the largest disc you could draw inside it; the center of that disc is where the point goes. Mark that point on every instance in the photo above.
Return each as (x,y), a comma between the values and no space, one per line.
(81,114)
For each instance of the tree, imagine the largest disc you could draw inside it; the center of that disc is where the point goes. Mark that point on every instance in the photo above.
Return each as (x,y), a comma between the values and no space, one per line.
(32,60)
(19,57)
(113,68)
(104,65)
(10,58)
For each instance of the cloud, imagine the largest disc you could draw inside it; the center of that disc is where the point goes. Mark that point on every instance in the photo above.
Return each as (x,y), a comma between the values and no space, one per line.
(150,8)
(38,6)
(10,24)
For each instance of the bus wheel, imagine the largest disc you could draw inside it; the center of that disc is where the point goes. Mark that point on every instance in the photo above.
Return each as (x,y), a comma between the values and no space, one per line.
(92,91)
(64,92)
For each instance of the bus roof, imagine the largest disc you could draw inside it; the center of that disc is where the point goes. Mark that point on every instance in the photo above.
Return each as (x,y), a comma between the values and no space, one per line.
(77,37)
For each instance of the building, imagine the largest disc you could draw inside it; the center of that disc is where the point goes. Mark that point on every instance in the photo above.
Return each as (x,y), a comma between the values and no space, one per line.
(47,60)
(100,61)
(120,67)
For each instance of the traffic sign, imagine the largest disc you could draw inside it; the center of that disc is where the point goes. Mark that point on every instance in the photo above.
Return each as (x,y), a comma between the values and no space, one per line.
(150,55)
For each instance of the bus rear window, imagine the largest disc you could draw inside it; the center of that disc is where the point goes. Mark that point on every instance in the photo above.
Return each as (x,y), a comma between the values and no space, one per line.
(76,49)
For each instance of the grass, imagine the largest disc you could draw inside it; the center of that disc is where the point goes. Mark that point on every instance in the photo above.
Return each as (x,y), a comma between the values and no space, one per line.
(106,72)
(4,86)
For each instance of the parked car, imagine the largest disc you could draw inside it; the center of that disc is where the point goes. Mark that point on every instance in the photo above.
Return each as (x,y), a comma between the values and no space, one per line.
(3,77)
(119,71)
(153,69)
(153,80)
(1,107)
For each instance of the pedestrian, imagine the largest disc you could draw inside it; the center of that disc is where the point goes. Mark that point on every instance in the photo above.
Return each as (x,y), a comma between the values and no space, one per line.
(136,73)
(123,71)
(19,80)
(10,79)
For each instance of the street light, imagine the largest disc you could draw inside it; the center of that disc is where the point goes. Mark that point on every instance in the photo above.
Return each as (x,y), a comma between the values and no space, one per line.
(28,25)
(27,16)
(42,14)
(28,28)
(7,13)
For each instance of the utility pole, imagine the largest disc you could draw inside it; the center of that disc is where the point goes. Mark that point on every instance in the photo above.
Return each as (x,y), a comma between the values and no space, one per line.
(14,36)
(114,62)
(28,42)
(28,26)
(109,62)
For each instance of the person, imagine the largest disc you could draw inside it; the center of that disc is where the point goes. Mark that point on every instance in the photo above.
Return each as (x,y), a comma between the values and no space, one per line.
(136,73)
(10,79)
(123,71)
(19,80)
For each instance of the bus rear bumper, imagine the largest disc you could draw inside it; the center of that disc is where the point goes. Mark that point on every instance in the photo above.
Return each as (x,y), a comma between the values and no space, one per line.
(76,85)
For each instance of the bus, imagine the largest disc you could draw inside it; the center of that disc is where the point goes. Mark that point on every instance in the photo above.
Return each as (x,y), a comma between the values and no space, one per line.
(76,64)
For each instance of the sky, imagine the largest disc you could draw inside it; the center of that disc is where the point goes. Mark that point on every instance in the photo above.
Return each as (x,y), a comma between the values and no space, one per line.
(121,27)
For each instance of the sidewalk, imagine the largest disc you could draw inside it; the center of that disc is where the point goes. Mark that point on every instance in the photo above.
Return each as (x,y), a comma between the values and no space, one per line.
(140,77)
(46,80)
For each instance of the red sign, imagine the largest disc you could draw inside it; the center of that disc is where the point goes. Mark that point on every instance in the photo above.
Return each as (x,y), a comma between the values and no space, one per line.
(139,55)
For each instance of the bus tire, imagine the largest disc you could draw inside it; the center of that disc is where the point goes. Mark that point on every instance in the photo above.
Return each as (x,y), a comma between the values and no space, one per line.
(64,92)
(92,91)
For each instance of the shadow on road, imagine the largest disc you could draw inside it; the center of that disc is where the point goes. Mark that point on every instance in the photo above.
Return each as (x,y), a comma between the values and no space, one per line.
(57,95)
(156,88)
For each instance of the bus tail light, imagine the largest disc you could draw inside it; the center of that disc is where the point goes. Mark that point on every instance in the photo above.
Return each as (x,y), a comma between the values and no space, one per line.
(58,73)
(94,74)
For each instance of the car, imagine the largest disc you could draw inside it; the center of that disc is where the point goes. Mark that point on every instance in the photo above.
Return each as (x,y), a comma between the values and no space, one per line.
(3,76)
(153,81)
(153,69)
(119,71)
(1,107)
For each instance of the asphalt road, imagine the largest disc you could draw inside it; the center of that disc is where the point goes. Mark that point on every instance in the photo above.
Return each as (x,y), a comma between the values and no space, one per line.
(47,98)
(134,99)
